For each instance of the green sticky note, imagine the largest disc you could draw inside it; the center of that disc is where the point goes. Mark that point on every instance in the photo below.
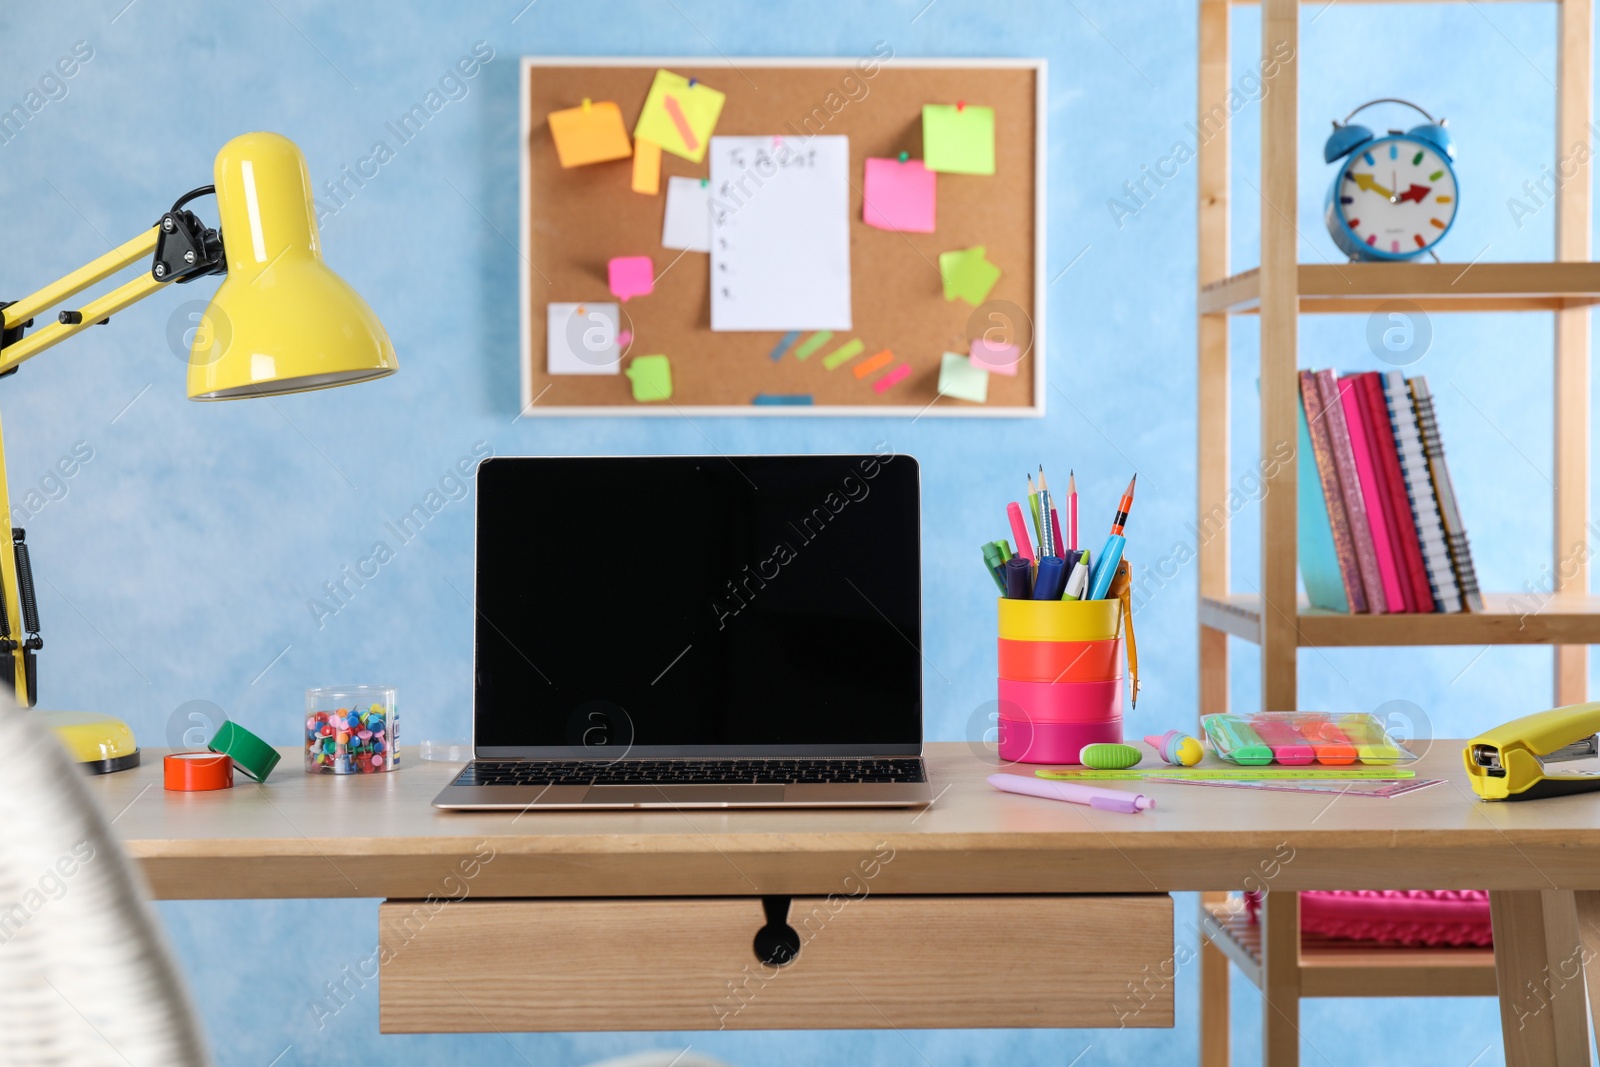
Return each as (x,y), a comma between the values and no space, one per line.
(651,377)
(968,275)
(958,139)
(812,343)
(843,354)
(960,379)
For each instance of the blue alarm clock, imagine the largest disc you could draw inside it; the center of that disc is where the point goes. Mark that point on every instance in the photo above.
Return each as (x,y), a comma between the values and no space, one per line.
(1395,196)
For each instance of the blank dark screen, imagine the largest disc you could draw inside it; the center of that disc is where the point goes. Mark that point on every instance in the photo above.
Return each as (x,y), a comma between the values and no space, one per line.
(699,604)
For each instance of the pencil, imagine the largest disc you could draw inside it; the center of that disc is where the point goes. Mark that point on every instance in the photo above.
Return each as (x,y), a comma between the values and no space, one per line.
(1072,509)
(1033,507)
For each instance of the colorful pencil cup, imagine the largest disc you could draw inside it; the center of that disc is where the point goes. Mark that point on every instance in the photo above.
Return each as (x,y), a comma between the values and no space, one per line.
(1060,678)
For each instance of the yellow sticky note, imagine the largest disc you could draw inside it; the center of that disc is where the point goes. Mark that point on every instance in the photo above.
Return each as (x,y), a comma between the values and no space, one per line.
(958,138)
(646,167)
(589,133)
(651,377)
(679,115)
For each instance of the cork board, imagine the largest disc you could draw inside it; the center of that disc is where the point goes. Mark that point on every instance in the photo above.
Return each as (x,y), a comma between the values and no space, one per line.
(575,220)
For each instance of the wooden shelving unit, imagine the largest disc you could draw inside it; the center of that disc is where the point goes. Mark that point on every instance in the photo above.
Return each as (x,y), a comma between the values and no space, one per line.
(1273,955)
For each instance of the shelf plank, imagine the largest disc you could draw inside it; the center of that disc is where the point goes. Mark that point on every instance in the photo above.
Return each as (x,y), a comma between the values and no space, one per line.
(1333,968)
(1363,287)
(1509,619)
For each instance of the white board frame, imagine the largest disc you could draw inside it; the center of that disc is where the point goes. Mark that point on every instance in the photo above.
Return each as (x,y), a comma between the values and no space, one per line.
(1041,114)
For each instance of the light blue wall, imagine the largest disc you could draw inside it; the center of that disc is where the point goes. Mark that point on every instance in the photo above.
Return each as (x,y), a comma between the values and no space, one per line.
(178,562)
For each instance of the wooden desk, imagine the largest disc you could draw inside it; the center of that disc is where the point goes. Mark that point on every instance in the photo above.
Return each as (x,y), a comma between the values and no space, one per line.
(918,888)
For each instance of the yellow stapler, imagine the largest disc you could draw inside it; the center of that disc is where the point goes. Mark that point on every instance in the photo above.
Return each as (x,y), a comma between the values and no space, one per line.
(1509,762)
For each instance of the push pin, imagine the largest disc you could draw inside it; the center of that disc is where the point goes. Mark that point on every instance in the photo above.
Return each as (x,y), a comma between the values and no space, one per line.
(693,82)
(582,311)
(961,105)
(586,103)
(704,182)
(904,156)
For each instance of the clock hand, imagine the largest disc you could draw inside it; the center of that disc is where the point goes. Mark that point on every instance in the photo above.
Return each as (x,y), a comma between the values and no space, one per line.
(1394,183)
(1416,192)
(1366,182)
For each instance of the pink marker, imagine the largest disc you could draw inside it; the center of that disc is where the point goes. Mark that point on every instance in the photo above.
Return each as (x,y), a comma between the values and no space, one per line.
(1019,530)
(1092,796)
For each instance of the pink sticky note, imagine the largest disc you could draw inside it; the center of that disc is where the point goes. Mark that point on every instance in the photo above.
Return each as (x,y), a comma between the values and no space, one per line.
(631,276)
(898,196)
(994,357)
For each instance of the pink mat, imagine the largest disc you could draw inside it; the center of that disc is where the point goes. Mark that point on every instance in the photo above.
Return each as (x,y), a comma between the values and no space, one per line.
(1395,917)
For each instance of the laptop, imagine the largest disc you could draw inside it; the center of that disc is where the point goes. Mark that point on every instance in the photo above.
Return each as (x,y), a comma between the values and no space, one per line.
(696,632)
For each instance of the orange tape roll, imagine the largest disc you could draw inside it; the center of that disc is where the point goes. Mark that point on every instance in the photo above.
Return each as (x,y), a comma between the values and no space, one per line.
(1060,661)
(194,772)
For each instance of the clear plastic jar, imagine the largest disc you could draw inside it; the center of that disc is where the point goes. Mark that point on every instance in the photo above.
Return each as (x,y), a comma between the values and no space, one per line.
(352,729)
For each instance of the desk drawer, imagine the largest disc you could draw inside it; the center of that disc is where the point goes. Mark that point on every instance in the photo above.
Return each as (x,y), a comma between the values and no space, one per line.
(691,963)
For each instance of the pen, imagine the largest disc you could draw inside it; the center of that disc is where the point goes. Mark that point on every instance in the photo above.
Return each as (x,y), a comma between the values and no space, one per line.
(1078,581)
(1020,531)
(1093,796)
(1019,579)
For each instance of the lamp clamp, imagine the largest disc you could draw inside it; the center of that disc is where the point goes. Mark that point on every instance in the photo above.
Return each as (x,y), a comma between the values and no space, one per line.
(186,249)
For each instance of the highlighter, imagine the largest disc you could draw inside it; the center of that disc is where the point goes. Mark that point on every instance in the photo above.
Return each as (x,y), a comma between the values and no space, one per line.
(1105,567)
(1235,741)
(1019,530)
(994,561)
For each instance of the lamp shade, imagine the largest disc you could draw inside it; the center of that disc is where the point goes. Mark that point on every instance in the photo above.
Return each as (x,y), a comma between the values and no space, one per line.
(281,322)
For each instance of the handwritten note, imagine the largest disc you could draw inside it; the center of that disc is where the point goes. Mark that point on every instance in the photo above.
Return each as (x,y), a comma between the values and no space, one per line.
(967,275)
(957,138)
(631,276)
(686,225)
(780,227)
(651,377)
(590,133)
(679,114)
(582,339)
(958,377)
(898,196)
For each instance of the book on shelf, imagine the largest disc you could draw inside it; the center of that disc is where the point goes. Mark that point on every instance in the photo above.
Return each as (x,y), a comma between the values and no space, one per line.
(1380,528)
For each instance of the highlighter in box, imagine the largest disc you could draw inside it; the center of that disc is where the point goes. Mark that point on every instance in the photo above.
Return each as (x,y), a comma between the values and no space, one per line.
(1288,746)
(1372,741)
(1235,740)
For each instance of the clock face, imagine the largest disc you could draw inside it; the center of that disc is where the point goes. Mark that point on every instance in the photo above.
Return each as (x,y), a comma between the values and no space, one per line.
(1398,196)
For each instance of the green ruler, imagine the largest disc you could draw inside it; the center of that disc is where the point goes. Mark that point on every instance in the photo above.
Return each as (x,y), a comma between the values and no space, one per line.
(1230,773)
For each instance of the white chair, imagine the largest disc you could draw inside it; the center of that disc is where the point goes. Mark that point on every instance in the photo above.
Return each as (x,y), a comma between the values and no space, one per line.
(85,975)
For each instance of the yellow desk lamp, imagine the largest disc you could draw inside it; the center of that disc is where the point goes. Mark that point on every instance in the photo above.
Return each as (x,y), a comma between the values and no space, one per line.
(280,322)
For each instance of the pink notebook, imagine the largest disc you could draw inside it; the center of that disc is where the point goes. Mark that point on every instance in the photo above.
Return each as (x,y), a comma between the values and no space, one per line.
(1373,495)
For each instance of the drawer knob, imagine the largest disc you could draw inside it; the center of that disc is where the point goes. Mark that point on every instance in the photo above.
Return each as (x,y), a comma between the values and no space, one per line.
(777,943)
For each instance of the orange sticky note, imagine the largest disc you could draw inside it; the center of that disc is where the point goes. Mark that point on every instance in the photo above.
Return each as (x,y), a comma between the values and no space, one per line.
(589,133)
(646,167)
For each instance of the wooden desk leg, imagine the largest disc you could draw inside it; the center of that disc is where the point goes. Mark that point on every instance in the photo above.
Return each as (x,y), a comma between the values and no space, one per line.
(1539,968)
(1589,930)
(1280,979)
(1214,978)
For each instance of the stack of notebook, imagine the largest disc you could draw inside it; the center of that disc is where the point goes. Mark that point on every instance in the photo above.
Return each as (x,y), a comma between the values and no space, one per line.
(1379,527)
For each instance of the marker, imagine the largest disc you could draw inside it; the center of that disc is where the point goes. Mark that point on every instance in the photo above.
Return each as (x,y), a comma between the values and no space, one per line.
(1230,774)
(1051,579)
(1019,531)
(1100,799)
(993,562)
(1019,579)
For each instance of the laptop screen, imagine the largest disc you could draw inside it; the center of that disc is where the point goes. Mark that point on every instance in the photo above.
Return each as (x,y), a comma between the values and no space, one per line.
(699,605)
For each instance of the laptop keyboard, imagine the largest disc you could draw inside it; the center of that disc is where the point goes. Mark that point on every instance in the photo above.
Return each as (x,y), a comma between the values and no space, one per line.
(691,772)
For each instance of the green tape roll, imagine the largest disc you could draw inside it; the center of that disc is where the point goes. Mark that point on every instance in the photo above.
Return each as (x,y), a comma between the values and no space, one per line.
(249,753)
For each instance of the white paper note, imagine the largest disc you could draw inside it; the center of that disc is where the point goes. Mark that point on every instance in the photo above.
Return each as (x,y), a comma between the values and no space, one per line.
(687,223)
(780,230)
(582,339)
